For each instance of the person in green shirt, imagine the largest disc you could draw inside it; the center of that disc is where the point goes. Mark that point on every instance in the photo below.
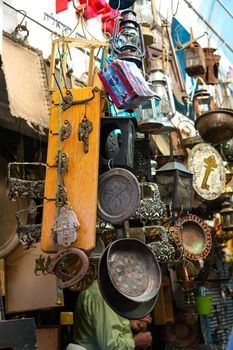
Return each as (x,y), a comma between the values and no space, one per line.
(98,327)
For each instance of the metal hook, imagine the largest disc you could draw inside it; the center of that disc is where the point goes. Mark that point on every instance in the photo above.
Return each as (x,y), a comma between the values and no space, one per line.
(80,8)
(24,13)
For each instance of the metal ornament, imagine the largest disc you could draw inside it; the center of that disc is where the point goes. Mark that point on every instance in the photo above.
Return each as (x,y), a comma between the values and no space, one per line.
(21,187)
(66,130)
(151,207)
(84,129)
(65,227)
(192,236)
(163,250)
(208,170)
(54,265)
(118,195)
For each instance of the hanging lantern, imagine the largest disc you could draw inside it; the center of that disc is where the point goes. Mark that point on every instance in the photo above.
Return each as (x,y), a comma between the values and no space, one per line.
(161,85)
(202,102)
(127,40)
(194,60)
(227,216)
(152,120)
(175,185)
(145,18)
(212,64)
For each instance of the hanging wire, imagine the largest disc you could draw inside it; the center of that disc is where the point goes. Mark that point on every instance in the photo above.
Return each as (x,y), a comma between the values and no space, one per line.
(177,7)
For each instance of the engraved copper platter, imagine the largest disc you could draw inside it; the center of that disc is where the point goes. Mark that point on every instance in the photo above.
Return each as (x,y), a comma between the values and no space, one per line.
(120,304)
(133,269)
(192,236)
(118,195)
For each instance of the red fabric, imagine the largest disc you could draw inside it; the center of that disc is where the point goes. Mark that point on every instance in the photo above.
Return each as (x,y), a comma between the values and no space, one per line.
(61,5)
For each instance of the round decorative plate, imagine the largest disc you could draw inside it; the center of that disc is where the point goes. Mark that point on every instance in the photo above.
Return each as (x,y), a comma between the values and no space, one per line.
(118,195)
(208,170)
(123,306)
(133,269)
(192,236)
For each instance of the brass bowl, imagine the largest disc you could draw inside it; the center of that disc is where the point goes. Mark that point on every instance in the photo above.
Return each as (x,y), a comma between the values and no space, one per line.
(133,269)
(120,304)
(216,126)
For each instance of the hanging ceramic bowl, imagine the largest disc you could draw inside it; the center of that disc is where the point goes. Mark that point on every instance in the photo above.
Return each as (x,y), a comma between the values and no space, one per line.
(192,236)
(118,195)
(133,269)
(119,303)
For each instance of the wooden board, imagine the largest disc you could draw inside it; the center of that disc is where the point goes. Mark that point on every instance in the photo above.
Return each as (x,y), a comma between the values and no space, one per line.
(81,179)
(24,290)
(47,338)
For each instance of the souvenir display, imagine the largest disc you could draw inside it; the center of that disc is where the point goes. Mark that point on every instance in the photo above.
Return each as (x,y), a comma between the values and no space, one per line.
(83,156)
(192,236)
(118,195)
(125,84)
(208,170)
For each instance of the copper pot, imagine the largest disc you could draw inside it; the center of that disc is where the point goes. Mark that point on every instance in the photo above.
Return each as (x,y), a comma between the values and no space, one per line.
(216,126)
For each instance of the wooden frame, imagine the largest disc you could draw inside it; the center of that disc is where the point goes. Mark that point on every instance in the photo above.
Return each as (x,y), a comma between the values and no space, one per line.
(77,43)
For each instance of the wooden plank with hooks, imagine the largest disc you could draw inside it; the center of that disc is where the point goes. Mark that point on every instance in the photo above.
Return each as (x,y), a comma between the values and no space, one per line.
(81,178)
(80,43)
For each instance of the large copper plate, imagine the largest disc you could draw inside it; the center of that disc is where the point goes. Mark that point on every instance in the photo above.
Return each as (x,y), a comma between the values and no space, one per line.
(8,224)
(118,195)
(192,236)
(120,304)
(208,170)
(133,269)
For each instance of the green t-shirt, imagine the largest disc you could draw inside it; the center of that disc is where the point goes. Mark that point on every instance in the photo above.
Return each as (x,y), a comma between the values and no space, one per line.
(97,326)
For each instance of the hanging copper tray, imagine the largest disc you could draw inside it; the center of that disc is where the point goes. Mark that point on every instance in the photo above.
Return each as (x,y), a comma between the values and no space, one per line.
(118,195)
(216,126)
(120,304)
(192,236)
(133,269)
(8,237)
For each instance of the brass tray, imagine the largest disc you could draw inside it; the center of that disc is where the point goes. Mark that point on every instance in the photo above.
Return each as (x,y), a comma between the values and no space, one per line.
(133,269)
(118,195)
(192,236)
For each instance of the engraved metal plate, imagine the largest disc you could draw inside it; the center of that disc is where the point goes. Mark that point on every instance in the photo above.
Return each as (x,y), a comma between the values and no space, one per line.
(133,269)
(66,226)
(118,195)
(192,236)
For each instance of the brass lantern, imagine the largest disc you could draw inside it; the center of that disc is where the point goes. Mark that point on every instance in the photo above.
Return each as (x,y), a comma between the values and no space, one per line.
(127,40)
(175,185)
(194,60)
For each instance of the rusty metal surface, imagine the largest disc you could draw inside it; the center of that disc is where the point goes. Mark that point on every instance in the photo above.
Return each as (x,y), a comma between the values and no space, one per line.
(192,236)
(216,126)
(133,269)
(118,195)
(120,304)
(54,265)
